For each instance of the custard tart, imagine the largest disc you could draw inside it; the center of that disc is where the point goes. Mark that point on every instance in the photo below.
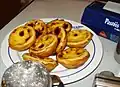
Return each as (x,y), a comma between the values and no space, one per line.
(61,35)
(78,38)
(62,41)
(39,26)
(22,38)
(59,23)
(44,45)
(49,63)
(73,57)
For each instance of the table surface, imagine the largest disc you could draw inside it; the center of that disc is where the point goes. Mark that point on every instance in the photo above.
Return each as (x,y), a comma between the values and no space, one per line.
(68,9)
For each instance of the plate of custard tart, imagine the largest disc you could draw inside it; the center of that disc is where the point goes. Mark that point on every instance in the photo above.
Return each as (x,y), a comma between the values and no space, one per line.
(66,48)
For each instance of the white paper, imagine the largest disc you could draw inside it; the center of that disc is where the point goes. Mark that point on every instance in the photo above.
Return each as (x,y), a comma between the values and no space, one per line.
(112,6)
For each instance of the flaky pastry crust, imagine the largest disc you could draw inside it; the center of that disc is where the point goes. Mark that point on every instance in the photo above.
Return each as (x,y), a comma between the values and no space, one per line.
(21,38)
(73,57)
(78,38)
(39,26)
(49,63)
(59,23)
(44,45)
(62,40)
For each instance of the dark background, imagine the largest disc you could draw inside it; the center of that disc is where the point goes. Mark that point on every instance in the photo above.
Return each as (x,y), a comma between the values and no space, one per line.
(9,9)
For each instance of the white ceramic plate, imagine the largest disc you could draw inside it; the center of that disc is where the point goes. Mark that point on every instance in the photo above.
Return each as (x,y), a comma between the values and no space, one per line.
(68,76)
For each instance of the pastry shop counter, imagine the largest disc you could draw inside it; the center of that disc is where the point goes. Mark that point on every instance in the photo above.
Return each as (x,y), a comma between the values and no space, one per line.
(68,9)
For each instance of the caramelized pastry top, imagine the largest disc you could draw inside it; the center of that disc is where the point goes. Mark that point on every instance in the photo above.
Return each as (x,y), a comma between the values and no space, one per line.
(78,38)
(73,57)
(59,23)
(44,45)
(22,38)
(39,26)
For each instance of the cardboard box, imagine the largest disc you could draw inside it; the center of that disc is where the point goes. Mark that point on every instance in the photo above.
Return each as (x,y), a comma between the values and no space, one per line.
(102,22)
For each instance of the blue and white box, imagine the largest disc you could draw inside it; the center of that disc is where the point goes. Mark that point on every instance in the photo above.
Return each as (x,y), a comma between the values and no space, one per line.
(102,22)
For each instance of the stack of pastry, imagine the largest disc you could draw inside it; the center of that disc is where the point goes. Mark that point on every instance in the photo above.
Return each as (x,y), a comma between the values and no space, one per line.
(43,40)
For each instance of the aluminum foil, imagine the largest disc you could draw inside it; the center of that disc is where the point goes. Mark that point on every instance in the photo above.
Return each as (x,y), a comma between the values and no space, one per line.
(26,74)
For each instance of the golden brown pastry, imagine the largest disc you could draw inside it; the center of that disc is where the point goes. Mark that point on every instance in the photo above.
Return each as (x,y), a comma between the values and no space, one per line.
(61,35)
(78,38)
(22,38)
(59,23)
(62,41)
(49,63)
(73,57)
(44,45)
(39,26)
